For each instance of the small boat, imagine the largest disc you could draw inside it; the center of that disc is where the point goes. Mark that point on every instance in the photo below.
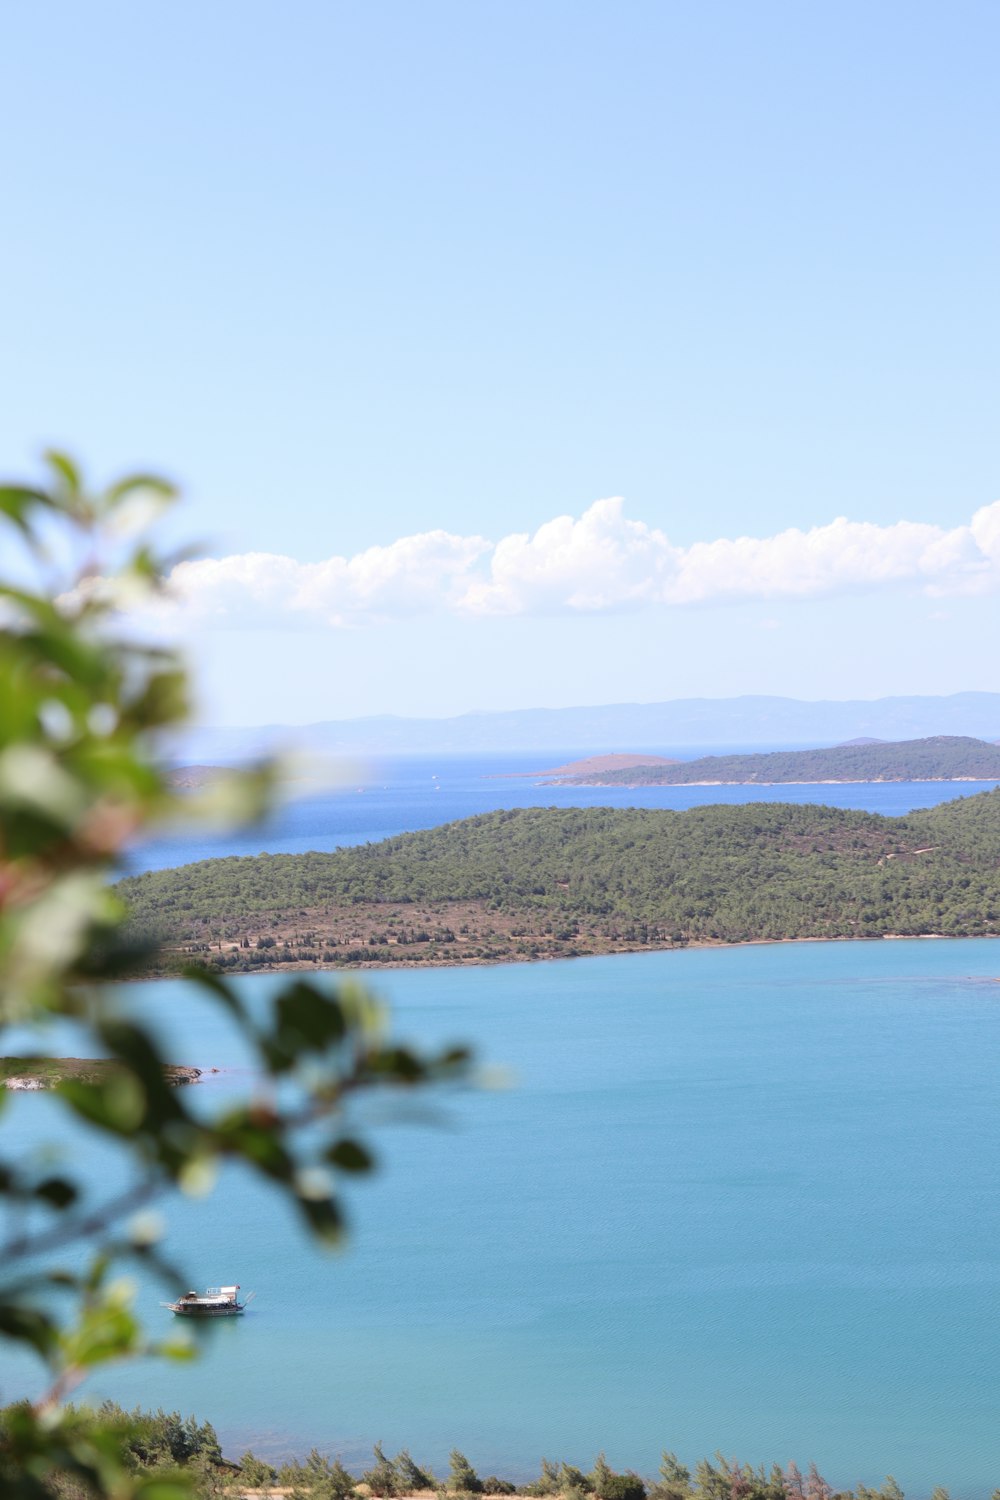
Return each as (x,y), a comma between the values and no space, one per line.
(214,1302)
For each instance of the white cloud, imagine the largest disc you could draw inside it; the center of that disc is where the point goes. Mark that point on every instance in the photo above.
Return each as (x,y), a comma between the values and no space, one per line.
(412,575)
(601,561)
(845,556)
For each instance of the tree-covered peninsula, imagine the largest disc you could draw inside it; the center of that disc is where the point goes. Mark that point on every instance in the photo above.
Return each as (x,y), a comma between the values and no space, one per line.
(942,757)
(545,882)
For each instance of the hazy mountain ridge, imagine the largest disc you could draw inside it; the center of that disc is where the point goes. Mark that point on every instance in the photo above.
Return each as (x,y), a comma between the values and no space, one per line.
(753,720)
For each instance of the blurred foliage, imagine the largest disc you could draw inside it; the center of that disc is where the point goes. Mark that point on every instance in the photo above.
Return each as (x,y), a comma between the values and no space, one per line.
(85,704)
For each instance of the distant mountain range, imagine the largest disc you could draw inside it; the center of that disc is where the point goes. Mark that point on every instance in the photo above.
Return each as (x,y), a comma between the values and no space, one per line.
(697,722)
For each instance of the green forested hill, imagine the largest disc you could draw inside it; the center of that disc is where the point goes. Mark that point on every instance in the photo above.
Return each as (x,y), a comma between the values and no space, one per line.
(546,880)
(943,757)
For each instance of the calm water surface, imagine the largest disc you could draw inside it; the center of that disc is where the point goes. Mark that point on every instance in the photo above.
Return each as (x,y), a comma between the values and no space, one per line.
(376,800)
(745,1199)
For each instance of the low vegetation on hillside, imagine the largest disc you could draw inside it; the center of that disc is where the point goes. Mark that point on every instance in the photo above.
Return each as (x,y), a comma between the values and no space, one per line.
(545,881)
(943,757)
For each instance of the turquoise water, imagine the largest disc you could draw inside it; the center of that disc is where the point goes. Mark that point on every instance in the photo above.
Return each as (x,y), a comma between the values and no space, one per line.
(743,1198)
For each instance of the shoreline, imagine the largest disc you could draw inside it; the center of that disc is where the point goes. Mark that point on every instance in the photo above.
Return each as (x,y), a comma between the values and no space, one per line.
(539,884)
(52,1071)
(633,786)
(619,950)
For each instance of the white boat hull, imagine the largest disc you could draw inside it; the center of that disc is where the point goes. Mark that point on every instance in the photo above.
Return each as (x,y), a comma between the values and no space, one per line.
(216,1302)
(192,1310)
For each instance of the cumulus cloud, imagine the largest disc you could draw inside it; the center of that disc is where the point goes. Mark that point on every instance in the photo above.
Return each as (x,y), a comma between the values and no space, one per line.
(600,561)
(412,575)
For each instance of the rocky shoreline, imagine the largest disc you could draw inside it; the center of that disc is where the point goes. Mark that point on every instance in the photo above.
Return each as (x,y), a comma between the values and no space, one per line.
(31,1075)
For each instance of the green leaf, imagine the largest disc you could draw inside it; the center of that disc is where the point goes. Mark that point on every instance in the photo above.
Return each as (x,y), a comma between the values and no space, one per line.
(17,502)
(134,1047)
(106,1331)
(163,700)
(396,1063)
(256,1140)
(180,1351)
(455,1058)
(58,1191)
(115,1106)
(65,468)
(163,1489)
(324,1218)
(153,483)
(308,1019)
(29,1325)
(350,1156)
(216,986)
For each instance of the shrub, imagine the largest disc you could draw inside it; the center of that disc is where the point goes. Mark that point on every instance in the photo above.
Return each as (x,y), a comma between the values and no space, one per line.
(383,1479)
(462,1478)
(623,1487)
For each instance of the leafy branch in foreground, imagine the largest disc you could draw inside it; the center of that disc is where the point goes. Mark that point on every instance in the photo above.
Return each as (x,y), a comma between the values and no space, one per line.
(84,706)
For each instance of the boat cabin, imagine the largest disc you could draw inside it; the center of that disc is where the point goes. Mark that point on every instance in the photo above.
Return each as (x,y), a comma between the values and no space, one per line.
(215,1301)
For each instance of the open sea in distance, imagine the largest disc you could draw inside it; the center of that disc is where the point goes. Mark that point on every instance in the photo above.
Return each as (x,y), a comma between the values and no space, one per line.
(742,1198)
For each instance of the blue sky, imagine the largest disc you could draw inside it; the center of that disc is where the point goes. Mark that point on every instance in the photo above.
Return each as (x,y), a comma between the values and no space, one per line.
(356,274)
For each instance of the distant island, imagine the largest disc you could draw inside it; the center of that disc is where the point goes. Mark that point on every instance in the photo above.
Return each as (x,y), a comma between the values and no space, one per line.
(941,757)
(193,778)
(552,882)
(598,765)
(32,1073)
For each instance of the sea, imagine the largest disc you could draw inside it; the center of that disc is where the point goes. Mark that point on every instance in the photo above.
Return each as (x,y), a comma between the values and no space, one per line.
(362,801)
(741,1199)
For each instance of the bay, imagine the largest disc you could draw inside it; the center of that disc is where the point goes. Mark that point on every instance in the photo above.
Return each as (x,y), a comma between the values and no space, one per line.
(741,1198)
